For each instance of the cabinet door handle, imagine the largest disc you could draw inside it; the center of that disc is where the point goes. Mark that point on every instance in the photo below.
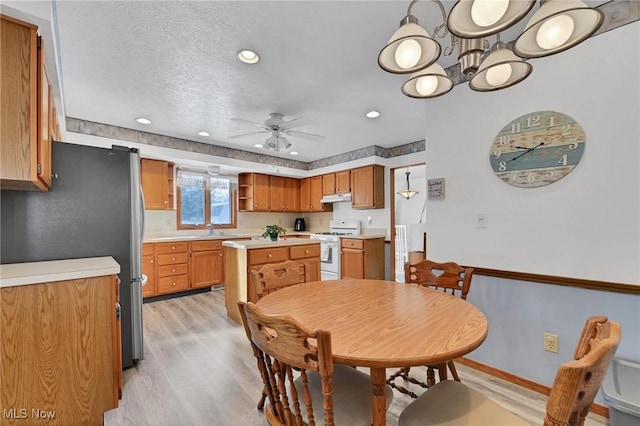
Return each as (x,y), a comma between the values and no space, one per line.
(173,258)
(173,270)
(306,252)
(269,256)
(173,247)
(220,255)
(151,261)
(174,284)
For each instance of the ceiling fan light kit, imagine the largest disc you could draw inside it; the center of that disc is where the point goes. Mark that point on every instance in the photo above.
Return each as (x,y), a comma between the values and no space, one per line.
(278,128)
(558,25)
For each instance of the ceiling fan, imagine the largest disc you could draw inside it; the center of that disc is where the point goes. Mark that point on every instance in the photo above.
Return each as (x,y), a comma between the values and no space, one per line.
(278,128)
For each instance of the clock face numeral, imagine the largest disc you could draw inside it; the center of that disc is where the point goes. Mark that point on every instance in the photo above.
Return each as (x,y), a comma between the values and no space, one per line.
(533,121)
(563,160)
(537,149)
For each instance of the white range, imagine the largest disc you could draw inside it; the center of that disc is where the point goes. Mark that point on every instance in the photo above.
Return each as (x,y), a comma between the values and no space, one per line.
(330,246)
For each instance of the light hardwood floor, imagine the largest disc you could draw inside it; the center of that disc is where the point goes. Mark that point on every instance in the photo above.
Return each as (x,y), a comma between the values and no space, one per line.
(199,370)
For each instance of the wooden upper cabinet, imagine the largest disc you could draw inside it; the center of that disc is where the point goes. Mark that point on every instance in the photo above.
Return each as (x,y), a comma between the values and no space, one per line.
(285,194)
(25,141)
(367,187)
(329,184)
(261,192)
(276,190)
(157,184)
(305,195)
(343,182)
(45,106)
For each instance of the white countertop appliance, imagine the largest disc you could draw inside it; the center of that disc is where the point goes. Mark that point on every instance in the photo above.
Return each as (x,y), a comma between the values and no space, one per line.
(330,246)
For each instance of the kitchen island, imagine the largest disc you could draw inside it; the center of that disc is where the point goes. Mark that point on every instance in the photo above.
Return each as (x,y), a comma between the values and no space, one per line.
(240,257)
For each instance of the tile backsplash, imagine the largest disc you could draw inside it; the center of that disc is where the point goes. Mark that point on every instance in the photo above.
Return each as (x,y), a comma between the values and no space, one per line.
(164,222)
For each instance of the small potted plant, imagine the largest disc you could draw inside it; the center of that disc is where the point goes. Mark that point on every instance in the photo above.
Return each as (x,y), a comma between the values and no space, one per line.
(273,232)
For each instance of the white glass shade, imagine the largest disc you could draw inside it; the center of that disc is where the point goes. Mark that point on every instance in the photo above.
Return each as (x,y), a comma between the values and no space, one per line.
(585,20)
(481,18)
(428,83)
(429,50)
(499,70)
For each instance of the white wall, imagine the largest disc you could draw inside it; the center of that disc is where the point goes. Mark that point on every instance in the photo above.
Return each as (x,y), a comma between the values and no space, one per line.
(587,224)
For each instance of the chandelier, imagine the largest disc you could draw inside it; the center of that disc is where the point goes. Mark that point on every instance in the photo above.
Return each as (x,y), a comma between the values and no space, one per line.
(407,193)
(555,27)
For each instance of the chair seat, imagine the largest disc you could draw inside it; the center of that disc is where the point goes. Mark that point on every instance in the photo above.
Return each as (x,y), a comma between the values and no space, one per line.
(351,396)
(450,403)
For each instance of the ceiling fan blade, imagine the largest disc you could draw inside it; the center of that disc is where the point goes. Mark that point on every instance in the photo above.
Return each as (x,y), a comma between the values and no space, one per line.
(259,132)
(242,120)
(304,135)
(296,122)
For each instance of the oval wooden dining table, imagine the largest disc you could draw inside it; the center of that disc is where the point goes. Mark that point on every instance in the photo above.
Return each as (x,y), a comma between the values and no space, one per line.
(383,324)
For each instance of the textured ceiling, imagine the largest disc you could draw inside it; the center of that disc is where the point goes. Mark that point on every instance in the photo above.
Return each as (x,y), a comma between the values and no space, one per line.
(176,63)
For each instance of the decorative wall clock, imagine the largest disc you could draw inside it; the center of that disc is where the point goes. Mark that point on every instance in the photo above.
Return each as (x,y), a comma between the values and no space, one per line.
(537,149)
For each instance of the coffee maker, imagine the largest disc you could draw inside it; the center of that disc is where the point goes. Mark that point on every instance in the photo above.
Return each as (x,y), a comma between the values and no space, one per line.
(299,225)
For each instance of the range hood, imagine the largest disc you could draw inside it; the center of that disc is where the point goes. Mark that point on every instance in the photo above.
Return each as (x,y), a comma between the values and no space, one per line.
(337,198)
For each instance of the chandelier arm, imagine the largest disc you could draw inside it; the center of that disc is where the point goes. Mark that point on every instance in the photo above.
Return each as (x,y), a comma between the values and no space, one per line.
(441,31)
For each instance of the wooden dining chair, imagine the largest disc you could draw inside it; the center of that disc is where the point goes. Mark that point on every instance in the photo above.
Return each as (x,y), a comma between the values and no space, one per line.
(450,403)
(274,276)
(303,385)
(450,278)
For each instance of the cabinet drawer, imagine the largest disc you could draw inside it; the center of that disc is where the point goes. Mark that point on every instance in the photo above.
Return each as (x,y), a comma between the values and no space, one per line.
(300,252)
(171,284)
(168,270)
(352,243)
(147,249)
(172,259)
(268,255)
(206,245)
(177,247)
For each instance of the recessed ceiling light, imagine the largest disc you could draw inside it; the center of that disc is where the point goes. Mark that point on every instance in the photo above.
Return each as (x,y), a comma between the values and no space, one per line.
(142,120)
(258,145)
(248,56)
(373,114)
(203,134)
(294,153)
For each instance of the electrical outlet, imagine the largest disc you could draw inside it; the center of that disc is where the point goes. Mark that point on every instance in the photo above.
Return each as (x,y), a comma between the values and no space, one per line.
(481,221)
(551,342)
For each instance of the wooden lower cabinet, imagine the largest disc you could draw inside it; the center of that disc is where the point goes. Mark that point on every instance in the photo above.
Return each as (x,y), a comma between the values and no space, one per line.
(362,258)
(173,267)
(60,354)
(206,263)
(257,258)
(182,265)
(149,269)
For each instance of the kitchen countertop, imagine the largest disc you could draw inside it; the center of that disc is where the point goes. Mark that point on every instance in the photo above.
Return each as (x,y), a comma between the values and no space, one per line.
(17,274)
(172,238)
(364,236)
(252,244)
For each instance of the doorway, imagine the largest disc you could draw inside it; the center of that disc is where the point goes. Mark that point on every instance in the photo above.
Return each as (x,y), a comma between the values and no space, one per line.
(408,216)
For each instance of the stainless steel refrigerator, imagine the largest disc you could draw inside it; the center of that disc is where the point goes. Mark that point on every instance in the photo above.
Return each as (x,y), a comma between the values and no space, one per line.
(94,208)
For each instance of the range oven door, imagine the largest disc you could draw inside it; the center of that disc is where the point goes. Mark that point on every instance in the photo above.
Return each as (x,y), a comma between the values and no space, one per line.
(329,256)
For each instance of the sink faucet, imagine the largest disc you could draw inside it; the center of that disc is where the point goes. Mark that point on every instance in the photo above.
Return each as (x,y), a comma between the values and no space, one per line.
(210,226)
